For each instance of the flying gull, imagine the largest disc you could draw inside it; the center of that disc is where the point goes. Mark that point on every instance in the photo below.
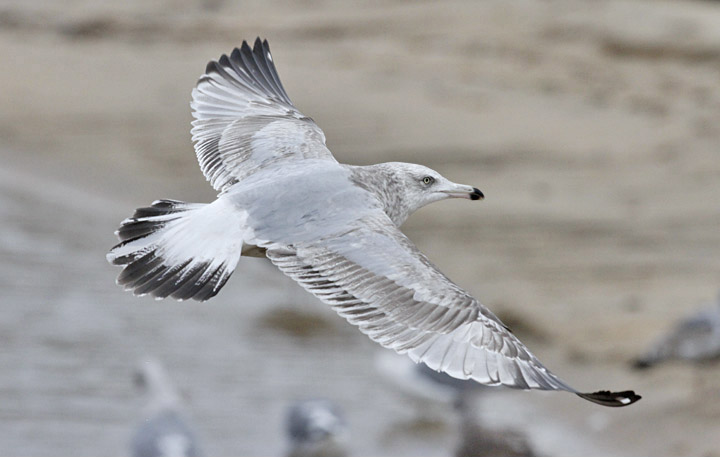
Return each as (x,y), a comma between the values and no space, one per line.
(333,228)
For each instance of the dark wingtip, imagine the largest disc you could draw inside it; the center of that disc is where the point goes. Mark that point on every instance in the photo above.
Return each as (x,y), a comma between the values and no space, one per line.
(614,399)
(245,47)
(211,67)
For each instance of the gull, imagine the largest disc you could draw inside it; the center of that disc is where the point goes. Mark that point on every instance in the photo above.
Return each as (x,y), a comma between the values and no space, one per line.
(426,387)
(694,338)
(333,228)
(478,441)
(164,432)
(316,428)
(431,388)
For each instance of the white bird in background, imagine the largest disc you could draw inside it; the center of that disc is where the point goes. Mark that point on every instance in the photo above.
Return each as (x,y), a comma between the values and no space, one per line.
(430,388)
(333,228)
(694,338)
(478,441)
(316,428)
(163,432)
(424,386)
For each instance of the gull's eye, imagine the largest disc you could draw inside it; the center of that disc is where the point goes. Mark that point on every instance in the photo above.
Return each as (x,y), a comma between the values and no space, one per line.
(427,180)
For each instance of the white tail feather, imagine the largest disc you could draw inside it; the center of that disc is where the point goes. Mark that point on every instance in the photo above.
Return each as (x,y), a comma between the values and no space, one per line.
(183,250)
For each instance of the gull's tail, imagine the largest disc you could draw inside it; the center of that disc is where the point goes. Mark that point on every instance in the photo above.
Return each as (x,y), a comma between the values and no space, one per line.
(177,249)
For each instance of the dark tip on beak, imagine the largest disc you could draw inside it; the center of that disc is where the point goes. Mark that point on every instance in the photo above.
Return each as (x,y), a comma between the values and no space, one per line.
(476,194)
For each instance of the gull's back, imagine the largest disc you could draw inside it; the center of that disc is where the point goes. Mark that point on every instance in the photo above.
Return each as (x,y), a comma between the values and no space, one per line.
(300,201)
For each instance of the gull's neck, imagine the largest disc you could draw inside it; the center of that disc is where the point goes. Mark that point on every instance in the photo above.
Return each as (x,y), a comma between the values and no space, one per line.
(381,181)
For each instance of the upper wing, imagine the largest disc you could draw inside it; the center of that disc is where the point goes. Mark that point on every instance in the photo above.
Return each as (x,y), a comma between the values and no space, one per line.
(244,120)
(378,280)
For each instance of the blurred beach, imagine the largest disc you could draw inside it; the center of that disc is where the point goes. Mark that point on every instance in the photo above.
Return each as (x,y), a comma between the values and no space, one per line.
(593,129)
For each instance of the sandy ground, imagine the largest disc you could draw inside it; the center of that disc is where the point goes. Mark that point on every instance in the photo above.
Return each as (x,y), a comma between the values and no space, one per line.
(593,128)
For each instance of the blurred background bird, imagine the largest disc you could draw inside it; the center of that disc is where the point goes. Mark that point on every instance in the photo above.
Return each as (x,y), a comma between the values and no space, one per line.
(476,440)
(694,338)
(163,430)
(460,403)
(426,388)
(316,428)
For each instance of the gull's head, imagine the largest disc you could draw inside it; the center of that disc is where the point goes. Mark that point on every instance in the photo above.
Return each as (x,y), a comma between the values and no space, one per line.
(403,188)
(424,185)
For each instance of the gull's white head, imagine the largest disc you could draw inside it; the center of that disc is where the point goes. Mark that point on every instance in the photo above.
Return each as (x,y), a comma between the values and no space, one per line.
(419,186)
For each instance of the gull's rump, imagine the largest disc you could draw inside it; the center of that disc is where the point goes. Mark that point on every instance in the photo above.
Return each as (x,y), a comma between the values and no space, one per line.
(177,249)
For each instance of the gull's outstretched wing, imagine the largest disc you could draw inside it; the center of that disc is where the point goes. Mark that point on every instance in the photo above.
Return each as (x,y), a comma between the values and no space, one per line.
(244,120)
(377,279)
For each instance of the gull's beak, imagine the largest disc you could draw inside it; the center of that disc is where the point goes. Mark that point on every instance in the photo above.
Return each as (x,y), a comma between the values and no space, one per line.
(464,191)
